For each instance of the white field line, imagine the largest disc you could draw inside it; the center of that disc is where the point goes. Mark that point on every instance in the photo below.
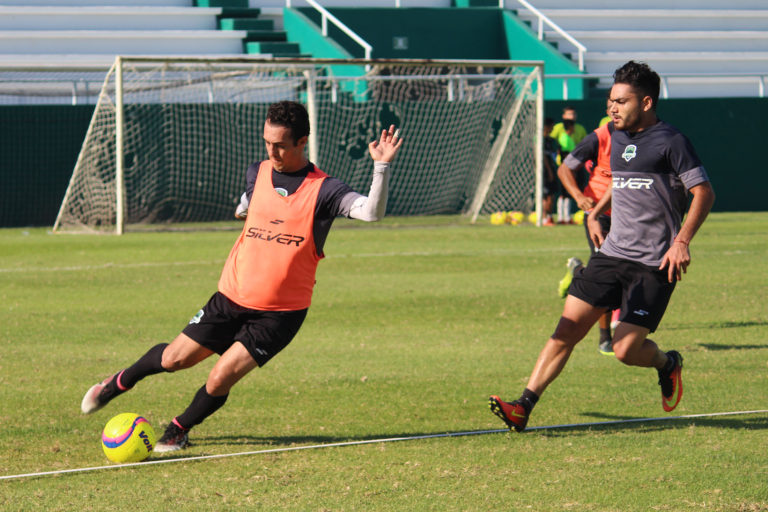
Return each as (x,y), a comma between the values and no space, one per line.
(375,441)
(108,266)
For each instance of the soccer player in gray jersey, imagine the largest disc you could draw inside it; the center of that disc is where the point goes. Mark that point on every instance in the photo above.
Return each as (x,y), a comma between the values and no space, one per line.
(645,253)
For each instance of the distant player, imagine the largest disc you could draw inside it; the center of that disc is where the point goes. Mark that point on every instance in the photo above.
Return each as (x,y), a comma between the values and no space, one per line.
(266,286)
(596,147)
(645,253)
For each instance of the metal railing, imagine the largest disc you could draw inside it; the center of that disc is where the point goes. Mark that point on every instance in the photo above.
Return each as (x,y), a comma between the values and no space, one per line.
(543,20)
(326,16)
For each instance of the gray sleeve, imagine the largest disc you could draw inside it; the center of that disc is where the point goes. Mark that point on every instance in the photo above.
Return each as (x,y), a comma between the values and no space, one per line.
(685,162)
(584,151)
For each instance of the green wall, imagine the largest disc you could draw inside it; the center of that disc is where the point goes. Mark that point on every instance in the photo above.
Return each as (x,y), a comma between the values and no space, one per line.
(39,147)
(726,133)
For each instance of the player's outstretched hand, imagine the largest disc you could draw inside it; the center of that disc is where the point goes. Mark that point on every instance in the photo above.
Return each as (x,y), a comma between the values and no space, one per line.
(677,259)
(386,147)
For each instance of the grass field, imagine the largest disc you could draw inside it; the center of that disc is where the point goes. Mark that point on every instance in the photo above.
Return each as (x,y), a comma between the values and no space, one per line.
(414,323)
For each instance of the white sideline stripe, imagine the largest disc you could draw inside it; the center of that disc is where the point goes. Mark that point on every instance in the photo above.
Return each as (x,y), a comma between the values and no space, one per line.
(376,441)
(79,268)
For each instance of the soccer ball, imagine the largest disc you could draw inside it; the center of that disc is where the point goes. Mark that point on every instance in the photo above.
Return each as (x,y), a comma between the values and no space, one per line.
(515,218)
(127,438)
(498,218)
(578,217)
(532,218)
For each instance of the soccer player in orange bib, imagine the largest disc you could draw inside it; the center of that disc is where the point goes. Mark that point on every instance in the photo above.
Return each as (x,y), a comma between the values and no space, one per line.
(595,147)
(266,286)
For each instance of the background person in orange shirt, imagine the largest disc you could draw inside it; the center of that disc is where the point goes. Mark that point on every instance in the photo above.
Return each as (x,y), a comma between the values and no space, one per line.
(595,148)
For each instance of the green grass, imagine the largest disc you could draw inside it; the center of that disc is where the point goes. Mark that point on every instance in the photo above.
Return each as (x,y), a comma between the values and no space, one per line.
(414,323)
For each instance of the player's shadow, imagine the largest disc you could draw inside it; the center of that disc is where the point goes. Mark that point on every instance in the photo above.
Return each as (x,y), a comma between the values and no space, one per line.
(608,423)
(627,423)
(714,325)
(715,346)
(267,442)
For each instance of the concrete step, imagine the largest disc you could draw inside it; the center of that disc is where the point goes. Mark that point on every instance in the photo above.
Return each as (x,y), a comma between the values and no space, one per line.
(265,35)
(680,62)
(245,24)
(647,4)
(661,40)
(99,3)
(282,48)
(107,18)
(654,19)
(126,42)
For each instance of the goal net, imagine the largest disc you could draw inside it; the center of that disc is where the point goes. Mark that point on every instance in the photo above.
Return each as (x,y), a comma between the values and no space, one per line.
(170,139)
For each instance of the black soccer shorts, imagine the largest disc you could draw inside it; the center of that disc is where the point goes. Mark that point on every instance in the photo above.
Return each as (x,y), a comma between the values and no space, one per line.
(642,292)
(264,334)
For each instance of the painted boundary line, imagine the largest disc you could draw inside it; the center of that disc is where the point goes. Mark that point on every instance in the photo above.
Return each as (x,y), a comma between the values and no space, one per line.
(377,441)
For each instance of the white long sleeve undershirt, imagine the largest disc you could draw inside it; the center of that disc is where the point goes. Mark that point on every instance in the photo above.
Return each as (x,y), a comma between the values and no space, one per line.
(372,207)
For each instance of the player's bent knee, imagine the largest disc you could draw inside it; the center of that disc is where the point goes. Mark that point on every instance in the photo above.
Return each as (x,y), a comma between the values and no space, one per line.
(219,383)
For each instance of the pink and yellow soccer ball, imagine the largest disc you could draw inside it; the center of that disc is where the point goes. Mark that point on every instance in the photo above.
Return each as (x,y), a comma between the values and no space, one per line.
(127,437)
(515,218)
(498,218)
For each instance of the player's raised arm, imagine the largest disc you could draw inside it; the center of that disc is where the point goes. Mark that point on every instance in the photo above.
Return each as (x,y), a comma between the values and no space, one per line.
(372,207)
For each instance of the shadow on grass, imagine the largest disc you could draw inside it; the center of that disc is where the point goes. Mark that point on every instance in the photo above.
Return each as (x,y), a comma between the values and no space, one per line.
(610,423)
(715,325)
(267,442)
(607,423)
(714,346)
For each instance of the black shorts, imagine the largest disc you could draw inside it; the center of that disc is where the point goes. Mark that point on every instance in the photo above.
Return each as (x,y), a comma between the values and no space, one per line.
(642,292)
(221,323)
(605,225)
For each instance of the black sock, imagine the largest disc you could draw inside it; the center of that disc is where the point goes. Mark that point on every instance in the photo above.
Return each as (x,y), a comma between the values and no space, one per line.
(605,334)
(202,406)
(670,365)
(528,399)
(149,364)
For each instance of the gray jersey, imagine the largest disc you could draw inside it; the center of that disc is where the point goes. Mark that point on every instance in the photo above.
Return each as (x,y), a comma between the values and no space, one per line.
(652,172)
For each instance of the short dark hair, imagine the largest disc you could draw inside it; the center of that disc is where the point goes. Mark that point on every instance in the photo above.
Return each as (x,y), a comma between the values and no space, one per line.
(640,77)
(291,115)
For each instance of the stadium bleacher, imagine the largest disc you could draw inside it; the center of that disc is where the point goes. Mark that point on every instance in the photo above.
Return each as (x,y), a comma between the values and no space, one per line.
(726,41)
(707,39)
(89,33)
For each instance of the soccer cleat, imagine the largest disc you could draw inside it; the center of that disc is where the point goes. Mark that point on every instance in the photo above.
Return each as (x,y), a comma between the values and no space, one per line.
(97,396)
(565,282)
(513,413)
(671,382)
(175,438)
(606,348)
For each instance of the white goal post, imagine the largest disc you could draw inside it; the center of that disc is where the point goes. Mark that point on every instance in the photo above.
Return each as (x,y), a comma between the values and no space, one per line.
(170,138)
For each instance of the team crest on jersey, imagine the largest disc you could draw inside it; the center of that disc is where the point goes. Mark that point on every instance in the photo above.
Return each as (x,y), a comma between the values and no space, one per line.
(281,191)
(630,152)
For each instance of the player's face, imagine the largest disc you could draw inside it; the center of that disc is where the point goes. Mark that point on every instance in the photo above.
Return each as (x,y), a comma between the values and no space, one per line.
(627,108)
(285,155)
